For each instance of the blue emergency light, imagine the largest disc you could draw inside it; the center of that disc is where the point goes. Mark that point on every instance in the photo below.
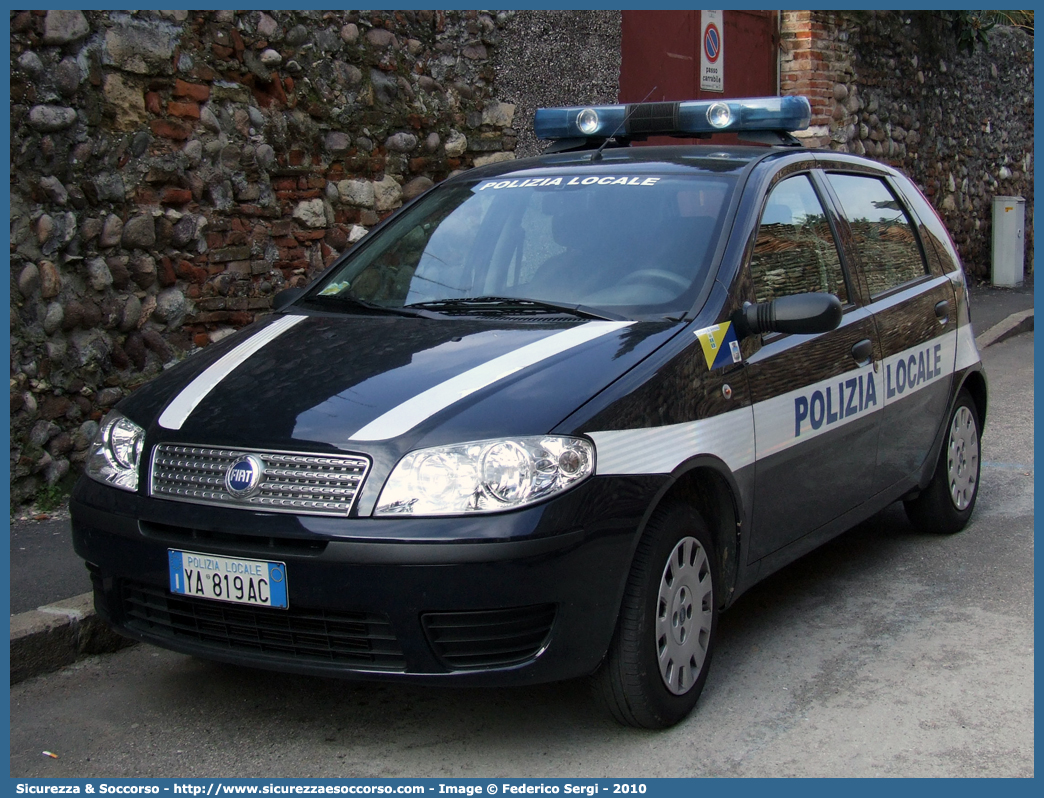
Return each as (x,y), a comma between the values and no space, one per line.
(690,118)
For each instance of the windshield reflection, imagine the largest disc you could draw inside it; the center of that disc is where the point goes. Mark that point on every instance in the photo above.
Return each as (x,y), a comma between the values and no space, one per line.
(630,246)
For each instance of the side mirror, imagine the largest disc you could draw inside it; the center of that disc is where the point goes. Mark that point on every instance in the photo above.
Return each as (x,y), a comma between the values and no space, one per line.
(285,297)
(801,314)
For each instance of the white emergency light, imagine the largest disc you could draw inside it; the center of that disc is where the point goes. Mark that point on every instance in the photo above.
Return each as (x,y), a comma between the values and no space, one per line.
(692,117)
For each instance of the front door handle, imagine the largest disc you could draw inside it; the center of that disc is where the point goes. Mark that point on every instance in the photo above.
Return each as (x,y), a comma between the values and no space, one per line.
(863,351)
(942,311)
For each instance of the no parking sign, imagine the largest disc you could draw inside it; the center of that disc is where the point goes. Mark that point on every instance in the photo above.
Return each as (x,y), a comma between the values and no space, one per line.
(712,46)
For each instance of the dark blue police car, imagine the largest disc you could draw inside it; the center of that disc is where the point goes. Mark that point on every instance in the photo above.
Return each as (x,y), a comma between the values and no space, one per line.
(552,417)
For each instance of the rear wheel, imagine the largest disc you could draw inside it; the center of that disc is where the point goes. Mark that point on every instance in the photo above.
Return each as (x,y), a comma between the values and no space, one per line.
(658,660)
(946,504)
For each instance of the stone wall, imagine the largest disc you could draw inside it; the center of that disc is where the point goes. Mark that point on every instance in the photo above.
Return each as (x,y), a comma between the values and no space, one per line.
(892,86)
(172,171)
(549,58)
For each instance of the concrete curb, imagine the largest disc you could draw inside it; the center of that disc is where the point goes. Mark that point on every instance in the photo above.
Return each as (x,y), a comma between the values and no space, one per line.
(1013,325)
(54,636)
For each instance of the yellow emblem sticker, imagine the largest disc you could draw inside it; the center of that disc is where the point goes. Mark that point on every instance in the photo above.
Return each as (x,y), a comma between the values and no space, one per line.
(720,345)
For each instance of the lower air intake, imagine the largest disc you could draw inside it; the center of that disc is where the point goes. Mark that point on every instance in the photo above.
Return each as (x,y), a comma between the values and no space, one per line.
(489,638)
(354,639)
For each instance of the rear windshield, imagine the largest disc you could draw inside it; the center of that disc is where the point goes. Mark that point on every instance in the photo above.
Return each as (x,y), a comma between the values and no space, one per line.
(630,245)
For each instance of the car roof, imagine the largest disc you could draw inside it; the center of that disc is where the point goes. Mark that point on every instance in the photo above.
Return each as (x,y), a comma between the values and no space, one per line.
(670,159)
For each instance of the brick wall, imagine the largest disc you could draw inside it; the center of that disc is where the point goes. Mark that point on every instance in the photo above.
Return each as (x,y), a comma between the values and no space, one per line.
(892,86)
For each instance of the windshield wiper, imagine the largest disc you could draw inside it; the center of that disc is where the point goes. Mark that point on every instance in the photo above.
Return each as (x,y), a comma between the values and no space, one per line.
(504,305)
(354,302)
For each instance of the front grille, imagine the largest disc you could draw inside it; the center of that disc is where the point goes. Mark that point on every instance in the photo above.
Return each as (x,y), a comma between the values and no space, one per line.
(489,638)
(361,640)
(292,483)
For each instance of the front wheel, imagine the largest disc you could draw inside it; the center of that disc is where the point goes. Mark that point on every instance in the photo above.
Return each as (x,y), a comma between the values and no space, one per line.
(946,504)
(658,660)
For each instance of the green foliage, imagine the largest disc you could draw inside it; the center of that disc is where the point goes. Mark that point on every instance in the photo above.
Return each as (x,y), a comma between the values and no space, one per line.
(50,497)
(970,27)
(1014,19)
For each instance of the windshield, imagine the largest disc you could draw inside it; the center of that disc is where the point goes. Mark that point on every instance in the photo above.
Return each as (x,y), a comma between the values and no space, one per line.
(625,245)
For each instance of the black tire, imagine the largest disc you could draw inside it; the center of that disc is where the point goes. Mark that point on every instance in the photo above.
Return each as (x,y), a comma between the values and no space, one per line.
(945,506)
(631,681)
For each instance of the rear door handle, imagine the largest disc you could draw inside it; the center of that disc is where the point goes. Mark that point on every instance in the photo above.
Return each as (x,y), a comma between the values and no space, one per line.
(942,311)
(863,351)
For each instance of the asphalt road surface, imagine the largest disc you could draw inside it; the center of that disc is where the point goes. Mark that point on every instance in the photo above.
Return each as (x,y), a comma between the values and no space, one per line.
(44,567)
(885,653)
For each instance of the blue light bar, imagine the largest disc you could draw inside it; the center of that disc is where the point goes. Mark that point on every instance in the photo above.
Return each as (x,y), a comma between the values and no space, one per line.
(693,117)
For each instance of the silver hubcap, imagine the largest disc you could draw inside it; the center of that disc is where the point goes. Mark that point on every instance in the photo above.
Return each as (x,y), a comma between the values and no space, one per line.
(962,458)
(684,608)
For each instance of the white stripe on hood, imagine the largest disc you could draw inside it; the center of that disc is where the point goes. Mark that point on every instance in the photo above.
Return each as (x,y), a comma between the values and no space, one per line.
(409,414)
(192,394)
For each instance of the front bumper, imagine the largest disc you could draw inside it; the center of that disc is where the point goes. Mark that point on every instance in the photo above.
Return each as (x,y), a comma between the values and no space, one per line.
(517,598)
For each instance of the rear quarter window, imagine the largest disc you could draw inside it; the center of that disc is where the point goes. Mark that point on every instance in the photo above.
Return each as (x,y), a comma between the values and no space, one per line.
(933,231)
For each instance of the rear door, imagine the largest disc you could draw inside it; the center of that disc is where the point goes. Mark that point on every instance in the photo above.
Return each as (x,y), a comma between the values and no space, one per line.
(814,396)
(915,313)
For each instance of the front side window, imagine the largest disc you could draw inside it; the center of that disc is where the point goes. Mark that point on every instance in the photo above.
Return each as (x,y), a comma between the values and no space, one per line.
(881,230)
(795,251)
(628,244)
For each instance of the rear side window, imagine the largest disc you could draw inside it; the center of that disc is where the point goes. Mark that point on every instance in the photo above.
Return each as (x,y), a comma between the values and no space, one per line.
(795,251)
(881,230)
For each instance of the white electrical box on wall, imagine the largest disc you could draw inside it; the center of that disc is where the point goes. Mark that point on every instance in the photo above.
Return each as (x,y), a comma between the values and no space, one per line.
(1009,240)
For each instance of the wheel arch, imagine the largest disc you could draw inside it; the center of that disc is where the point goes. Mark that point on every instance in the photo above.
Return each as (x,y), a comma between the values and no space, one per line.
(975,383)
(707,484)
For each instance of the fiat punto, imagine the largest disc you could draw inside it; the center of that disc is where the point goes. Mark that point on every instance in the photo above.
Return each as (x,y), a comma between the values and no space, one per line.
(552,417)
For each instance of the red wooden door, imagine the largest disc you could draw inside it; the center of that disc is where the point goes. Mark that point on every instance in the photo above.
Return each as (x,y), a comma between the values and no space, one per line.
(662,49)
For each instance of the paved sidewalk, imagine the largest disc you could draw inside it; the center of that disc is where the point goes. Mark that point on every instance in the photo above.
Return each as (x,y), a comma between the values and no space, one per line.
(990,306)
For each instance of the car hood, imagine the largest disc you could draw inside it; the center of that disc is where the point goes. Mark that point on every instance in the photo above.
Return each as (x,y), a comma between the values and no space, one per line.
(347,382)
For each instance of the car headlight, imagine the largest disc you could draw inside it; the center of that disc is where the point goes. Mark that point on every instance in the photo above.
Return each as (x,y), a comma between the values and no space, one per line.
(116,452)
(485,476)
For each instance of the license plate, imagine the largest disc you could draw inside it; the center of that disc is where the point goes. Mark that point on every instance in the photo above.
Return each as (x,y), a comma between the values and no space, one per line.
(258,583)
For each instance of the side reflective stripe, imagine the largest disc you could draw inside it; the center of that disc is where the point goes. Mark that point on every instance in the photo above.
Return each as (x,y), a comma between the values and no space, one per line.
(409,414)
(782,421)
(192,394)
(659,450)
(967,352)
(797,416)
(912,369)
